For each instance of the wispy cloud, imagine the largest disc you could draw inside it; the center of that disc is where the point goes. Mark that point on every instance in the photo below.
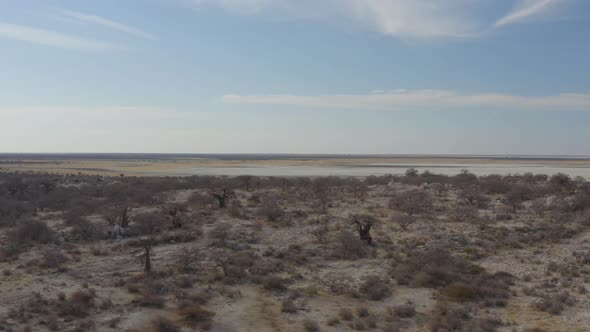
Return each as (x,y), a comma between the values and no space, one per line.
(424,19)
(51,38)
(89,18)
(135,111)
(526,10)
(433,99)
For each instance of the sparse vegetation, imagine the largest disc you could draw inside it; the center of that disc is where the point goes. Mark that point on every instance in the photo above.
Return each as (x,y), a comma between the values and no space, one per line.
(433,251)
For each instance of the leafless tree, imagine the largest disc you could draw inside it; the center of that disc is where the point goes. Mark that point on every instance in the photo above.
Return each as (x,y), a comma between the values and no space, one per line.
(322,192)
(359,188)
(321,234)
(336,283)
(270,208)
(187,257)
(404,220)
(220,234)
(412,201)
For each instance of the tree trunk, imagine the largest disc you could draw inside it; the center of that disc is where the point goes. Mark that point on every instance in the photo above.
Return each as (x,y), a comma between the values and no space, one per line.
(148,263)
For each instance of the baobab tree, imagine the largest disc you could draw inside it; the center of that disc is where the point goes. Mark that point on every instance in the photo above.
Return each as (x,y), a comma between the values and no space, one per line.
(146,258)
(222,196)
(363,224)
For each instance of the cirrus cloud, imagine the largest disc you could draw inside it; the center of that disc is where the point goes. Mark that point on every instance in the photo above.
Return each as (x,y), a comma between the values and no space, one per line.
(400,99)
(424,19)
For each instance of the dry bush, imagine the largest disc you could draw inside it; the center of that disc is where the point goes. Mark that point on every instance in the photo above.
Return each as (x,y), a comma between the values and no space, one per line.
(561,182)
(275,284)
(439,188)
(288,306)
(311,326)
(404,221)
(53,258)
(465,179)
(199,200)
(31,231)
(236,209)
(412,202)
(473,196)
(517,195)
(407,310)
(349,246)
(78,304)
(336,283)
(555,303)
(375,288)
(459,279)
(149,296)
(161,324)
(461,292)
(84,326)
(345,314)
(195,315)
(333,321)
(448,318)
(12,211)
(148,223)
(85,230)
(463,214)
(270,208)
(494,184)
(220,234)
(187,258)
(321,234)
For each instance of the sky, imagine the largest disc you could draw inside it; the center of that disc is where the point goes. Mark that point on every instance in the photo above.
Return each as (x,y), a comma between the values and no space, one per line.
(296,76)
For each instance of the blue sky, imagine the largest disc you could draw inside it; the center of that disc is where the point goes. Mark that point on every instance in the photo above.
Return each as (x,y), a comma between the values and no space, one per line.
(295,76)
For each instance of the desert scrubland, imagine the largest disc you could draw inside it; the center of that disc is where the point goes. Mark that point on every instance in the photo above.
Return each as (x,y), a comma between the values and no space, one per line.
(415,252)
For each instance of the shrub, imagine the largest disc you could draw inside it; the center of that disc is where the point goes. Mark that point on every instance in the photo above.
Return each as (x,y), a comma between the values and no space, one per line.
(362,311)
(345,314)
(236,209)
(349,246)
(448,318)
(53,258)
(195,315)
(404,221)
(311,326)
(270,209)
(412,202)
(220,234)
(31,231)
(436,268)
(288,306)
(375,288)
(333,321)
(407,310)
(148,223)
(84,230)
(78,304)
(161,324)
(274,283)
(463,214)
(554,304)
(460,291)
(334,282)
